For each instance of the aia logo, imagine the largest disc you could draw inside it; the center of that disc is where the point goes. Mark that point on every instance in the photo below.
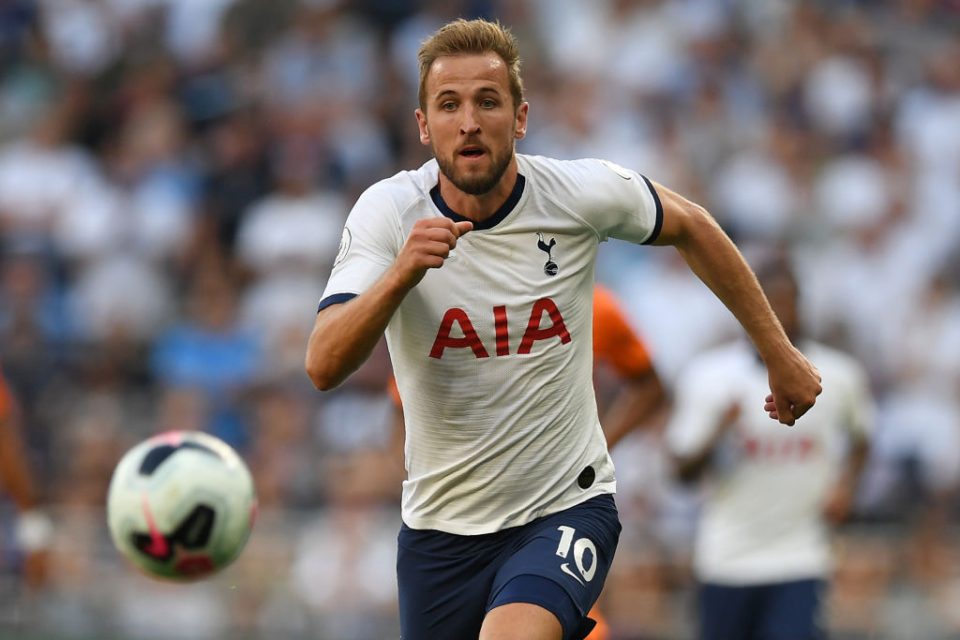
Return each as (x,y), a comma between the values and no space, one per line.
(550,267)
(781,449)
(537,329)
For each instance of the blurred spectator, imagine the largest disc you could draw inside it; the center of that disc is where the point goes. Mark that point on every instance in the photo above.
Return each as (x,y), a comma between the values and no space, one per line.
(287,242)
(208,351)
(41,173)
(236,174)
(288,472)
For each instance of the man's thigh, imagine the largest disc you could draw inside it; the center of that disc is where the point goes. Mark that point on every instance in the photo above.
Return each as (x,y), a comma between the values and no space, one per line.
(561,562)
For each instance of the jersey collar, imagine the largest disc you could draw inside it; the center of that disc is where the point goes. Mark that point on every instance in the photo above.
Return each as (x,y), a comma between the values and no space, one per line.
(493,220)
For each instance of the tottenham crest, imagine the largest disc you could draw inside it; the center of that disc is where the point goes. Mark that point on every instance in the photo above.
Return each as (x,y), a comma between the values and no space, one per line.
(549,267)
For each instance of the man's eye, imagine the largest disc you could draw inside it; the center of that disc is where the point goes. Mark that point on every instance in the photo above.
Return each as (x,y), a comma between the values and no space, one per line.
(488,103)
(448,106)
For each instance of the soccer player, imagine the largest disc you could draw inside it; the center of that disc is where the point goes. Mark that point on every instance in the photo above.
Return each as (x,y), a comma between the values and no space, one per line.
(762,550)
(479,267)
(640,394)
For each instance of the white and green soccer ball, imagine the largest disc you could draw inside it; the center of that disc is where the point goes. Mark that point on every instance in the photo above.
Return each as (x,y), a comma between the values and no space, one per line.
(181,505)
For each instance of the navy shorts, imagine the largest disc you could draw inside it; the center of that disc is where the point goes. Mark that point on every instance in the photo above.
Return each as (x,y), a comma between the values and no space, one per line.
(779,611)
(448,583)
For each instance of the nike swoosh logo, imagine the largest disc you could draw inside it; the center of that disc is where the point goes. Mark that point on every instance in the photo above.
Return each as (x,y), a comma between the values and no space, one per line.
(617,169)
(565,567)
(159,547)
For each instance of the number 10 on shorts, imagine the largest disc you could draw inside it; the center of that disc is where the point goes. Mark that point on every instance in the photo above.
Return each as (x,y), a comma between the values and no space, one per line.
(580,547)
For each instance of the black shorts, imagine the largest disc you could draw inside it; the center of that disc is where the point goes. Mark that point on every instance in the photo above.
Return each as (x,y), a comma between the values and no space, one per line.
(447,582)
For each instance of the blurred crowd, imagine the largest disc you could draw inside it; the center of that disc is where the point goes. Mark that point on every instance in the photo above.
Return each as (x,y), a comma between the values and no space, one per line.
(174,177)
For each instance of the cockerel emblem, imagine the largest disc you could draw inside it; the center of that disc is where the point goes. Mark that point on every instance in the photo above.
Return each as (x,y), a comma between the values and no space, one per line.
(550,267)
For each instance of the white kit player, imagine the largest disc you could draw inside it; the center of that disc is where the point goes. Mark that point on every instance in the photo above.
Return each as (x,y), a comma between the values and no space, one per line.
(762,553)
(479,269)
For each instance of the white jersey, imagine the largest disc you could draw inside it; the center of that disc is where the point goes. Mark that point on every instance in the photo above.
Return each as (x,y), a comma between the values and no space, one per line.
(493,352)
(761,521)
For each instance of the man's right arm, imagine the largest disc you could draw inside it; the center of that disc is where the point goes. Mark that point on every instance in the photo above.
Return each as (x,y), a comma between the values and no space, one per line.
(345,334)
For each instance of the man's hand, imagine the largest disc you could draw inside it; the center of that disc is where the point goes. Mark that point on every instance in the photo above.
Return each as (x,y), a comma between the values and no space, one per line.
(794,386)
(430,242)
(344,335)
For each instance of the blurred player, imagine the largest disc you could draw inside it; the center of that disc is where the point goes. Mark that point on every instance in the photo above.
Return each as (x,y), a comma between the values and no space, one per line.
(762,554)
(479,267)
(33,530)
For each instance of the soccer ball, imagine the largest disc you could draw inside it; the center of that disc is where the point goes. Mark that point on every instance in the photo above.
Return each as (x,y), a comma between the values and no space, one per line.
(181,505)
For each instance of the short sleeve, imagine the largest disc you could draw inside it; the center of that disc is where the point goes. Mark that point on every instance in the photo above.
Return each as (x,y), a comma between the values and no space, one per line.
(622,203)
(369,244)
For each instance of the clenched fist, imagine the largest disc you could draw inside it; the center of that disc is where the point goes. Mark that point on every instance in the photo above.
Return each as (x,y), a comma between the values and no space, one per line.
(430,242)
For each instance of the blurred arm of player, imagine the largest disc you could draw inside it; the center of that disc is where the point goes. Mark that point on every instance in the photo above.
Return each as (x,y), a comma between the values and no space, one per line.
(641,396)
(33,528)
(712,256)
(690,467)
(344,335)
(637,404)
(839,501)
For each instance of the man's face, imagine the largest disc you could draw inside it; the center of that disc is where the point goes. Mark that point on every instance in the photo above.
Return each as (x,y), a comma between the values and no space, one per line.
(471,123)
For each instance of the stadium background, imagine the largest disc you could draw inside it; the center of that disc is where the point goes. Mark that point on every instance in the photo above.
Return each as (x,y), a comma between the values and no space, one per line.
(174,175)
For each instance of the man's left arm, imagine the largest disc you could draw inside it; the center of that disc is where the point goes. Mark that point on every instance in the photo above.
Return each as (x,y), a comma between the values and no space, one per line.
(713,257)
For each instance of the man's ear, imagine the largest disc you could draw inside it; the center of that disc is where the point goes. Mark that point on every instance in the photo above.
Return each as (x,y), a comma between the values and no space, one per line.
(422,125)
(521,122)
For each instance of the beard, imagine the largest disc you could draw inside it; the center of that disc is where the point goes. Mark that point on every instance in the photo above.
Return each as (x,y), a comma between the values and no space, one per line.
(477,184)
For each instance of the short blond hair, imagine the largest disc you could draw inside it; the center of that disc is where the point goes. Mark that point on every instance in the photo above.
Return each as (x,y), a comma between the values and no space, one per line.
(472,37)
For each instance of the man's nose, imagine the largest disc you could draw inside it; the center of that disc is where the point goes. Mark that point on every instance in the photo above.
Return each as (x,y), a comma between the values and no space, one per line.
(470,124)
